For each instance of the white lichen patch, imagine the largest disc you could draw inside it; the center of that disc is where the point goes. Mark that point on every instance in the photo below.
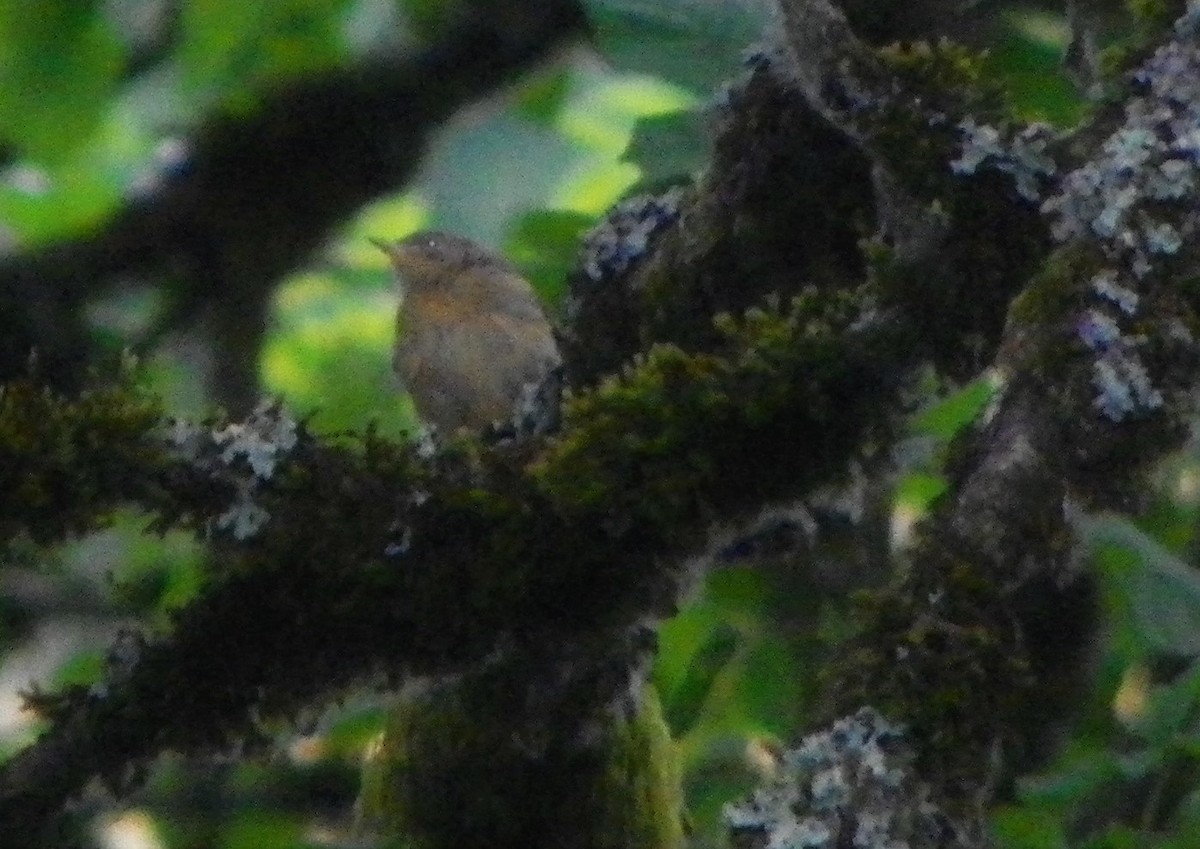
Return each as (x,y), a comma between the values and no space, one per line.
(1024,157)
(625,234)
(243,455)
(1136,199)
(1138,195)
(1107,285)
(849,785)
(259,441)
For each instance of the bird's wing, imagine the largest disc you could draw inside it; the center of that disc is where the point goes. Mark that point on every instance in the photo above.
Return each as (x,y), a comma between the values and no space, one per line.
(442,395)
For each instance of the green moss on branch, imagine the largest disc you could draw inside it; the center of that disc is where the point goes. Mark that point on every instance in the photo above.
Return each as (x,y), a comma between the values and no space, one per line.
(66,464)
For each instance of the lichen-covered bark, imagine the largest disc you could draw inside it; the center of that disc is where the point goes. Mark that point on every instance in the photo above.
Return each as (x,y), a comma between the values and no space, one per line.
(979,647)
(375,561)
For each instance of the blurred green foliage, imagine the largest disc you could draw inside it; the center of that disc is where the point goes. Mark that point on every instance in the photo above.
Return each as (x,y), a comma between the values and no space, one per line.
(1029,59)
(695,43)
(61,66)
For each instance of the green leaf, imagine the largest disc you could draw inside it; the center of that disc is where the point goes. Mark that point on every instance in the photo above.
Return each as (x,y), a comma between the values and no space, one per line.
(59,63)
(544,244)
(945,418)
(1124,837)
(1160,592)
(669,148)
(739,592)
(231,44)
(477,180)
(684,704)
(775,685)
(1168,724)
(264,830)
(542,99)
(1187,814)
(331,353)
(50,204)
(721,771)
(1077,776)
(1027,828)
(86,667)
(1028,60)
(917,490)
(695,43)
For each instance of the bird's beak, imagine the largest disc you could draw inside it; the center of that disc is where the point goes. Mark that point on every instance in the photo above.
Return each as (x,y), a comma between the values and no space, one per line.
(401,264)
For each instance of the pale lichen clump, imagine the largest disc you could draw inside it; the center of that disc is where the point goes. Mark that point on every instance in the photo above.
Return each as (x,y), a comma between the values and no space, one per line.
(1138,196)
(241,454)
(850,785)
(1136,200)
(625,234)
(1025,157)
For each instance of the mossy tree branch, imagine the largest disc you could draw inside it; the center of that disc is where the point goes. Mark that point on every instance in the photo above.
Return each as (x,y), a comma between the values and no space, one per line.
(980,647)
(582,537)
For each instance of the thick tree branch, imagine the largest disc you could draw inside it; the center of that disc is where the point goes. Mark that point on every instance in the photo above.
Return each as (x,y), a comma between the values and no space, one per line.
(980,648)
(374,562)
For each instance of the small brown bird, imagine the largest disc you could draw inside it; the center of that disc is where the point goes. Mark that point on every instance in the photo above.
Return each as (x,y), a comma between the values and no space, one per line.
(472,340)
